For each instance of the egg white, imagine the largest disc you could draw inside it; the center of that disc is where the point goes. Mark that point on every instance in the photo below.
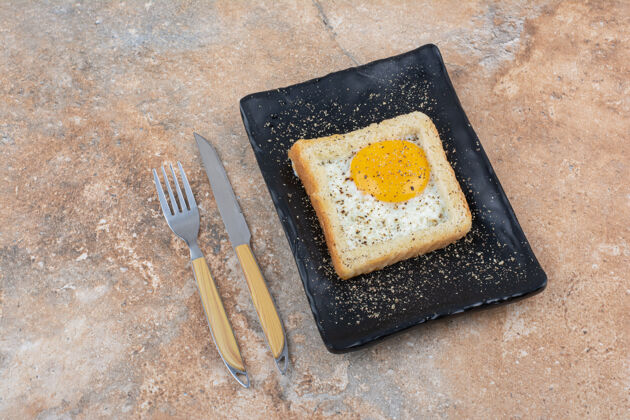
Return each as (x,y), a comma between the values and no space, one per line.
(367,221)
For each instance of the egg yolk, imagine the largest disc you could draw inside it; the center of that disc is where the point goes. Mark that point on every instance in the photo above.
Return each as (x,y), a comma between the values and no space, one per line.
(391,170)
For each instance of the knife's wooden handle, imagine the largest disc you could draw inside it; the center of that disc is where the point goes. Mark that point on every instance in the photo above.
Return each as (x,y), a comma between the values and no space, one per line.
(263,303)
(217,318)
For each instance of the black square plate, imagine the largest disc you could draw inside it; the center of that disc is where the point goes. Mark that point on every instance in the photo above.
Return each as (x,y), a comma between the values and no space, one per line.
(492,264)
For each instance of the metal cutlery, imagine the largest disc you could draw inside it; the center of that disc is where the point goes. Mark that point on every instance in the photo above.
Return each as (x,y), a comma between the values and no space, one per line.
(182,217)
(240,236)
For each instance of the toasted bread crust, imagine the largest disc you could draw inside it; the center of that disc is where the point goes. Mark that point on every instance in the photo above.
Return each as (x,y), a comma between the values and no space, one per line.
(309,180)
(351,262)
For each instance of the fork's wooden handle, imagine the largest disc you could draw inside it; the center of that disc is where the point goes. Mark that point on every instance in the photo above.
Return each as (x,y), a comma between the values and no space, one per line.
(263,303)
(217,318)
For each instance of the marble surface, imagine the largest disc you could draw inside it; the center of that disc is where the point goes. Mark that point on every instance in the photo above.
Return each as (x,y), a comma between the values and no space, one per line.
(99,315)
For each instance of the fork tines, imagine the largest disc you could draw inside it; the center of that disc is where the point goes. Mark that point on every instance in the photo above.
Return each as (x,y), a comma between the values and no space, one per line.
(183,203)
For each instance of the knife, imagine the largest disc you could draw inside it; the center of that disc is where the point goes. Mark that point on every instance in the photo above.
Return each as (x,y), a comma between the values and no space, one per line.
(240,236)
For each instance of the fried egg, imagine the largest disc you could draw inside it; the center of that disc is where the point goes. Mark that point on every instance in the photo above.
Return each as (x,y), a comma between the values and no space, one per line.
(384,190)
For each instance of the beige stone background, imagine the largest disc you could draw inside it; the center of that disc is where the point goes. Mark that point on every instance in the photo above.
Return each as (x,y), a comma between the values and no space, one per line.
(99,316)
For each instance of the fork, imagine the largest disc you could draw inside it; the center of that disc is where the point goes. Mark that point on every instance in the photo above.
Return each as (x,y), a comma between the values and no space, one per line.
(183,219)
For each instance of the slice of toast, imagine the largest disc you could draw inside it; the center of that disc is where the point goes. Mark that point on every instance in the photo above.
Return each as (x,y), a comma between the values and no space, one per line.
(351,257)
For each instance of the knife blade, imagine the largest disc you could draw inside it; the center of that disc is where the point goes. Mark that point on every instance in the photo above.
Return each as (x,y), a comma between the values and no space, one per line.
(239,237)
(229,209)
